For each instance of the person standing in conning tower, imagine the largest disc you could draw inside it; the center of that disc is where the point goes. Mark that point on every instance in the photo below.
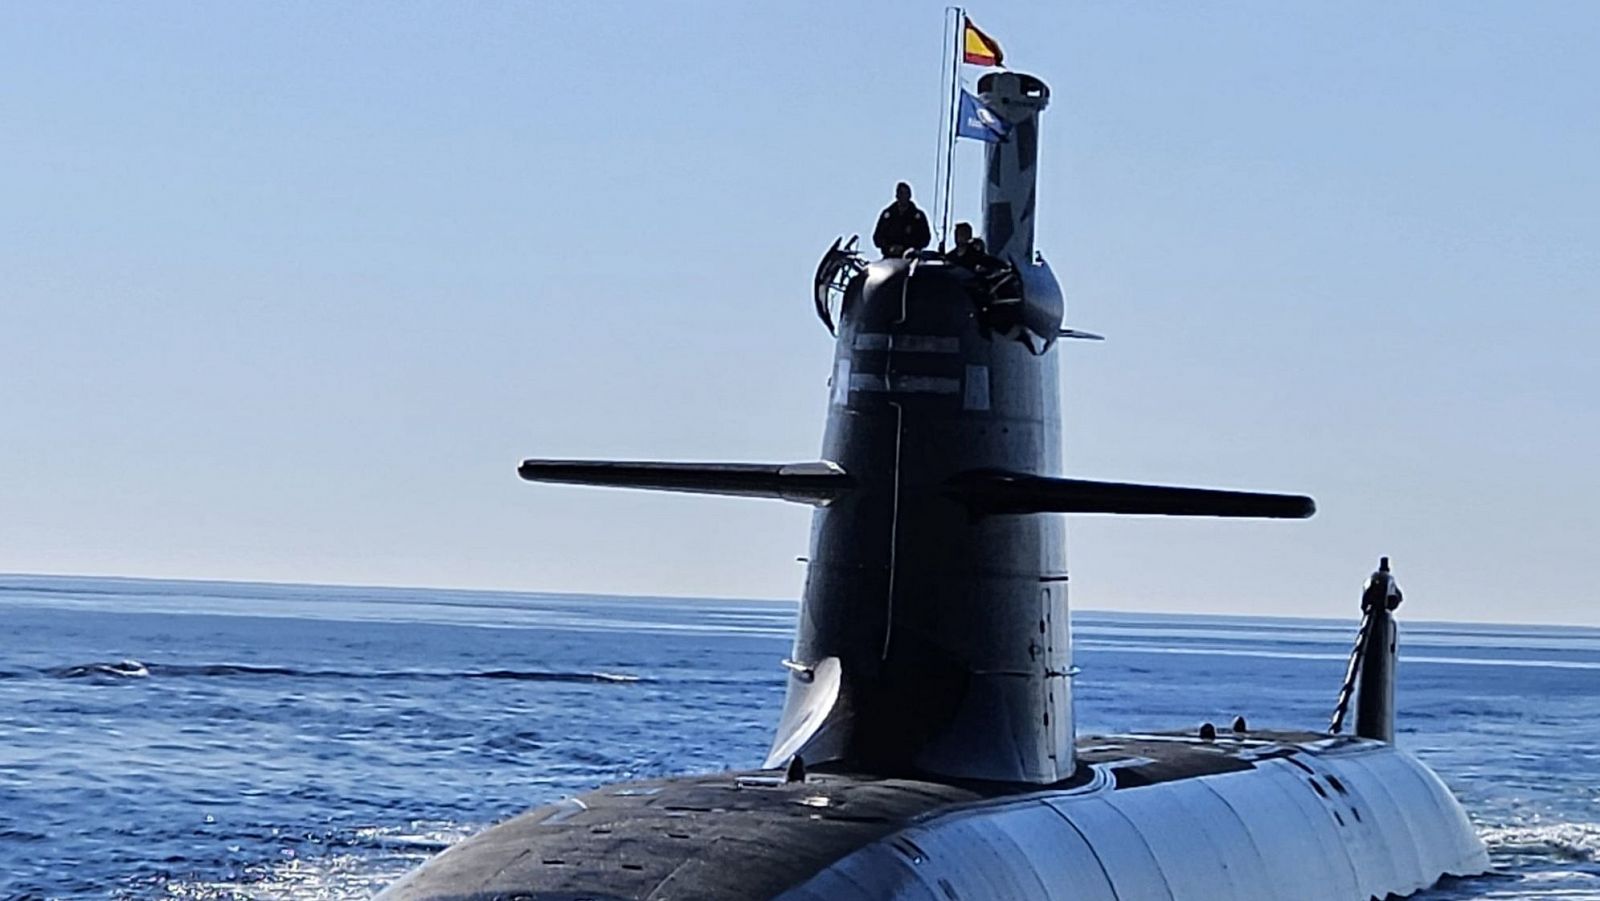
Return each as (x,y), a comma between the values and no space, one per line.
(901,226)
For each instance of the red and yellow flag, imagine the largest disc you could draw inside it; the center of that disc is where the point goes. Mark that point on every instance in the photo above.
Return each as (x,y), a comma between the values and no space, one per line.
(978,48)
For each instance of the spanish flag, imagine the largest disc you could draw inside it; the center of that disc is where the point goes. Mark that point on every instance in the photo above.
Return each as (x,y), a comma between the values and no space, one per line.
(978,48)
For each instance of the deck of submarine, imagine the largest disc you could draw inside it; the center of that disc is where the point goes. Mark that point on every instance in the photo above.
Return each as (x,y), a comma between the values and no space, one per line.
(752,835)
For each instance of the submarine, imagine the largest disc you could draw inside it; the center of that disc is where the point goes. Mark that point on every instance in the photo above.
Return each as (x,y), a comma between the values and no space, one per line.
(926,748)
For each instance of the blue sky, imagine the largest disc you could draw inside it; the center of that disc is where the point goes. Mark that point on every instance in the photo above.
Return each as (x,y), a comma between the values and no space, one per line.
(286,290)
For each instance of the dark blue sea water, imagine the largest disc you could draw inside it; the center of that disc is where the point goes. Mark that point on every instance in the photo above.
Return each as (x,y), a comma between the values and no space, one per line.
(220,740)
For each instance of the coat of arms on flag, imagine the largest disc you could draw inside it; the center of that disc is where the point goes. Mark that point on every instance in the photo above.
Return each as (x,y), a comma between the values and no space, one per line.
(976,120)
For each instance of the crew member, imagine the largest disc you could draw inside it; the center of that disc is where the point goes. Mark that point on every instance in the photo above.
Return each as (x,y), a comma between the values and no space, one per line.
(970,252)
(902,226)
(961,249)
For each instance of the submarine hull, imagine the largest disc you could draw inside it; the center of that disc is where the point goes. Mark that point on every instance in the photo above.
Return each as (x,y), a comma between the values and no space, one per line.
(930,685)
(1159,816)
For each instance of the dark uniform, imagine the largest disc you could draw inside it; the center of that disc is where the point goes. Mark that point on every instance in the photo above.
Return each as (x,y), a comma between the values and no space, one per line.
(974,256)
(901,228)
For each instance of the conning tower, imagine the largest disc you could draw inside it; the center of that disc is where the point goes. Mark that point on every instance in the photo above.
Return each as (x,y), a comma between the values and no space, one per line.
(933,636)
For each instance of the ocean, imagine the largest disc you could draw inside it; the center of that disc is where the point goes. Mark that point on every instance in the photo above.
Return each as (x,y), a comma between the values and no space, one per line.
(210,740)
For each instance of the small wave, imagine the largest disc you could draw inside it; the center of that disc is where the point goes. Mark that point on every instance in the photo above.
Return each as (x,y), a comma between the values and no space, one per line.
(552,677)
(136,669)
(18,835)
(121,669)
(1574,842)
(376,856)
(425,836)
(224,669)
(526,740)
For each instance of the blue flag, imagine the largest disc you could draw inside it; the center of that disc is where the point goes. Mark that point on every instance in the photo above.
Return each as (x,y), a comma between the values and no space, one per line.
(976,120)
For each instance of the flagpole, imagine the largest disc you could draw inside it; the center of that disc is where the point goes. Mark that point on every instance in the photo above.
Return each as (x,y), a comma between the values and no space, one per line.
(940,162)
(953,47)
(938,153)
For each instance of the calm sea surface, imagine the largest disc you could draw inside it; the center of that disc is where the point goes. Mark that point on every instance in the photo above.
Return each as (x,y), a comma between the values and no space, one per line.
(224,740)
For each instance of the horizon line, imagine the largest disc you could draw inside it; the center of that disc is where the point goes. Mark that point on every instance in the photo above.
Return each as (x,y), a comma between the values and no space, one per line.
(733,598)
